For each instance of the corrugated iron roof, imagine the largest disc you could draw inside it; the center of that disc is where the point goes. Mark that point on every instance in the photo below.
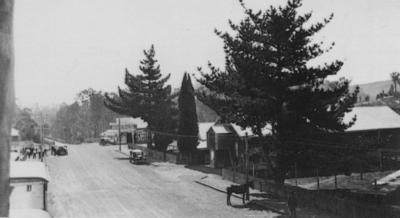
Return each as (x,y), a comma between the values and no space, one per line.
(242,132)
(373,117)
(203,128)
(220,129)
(28,170)
(130,121)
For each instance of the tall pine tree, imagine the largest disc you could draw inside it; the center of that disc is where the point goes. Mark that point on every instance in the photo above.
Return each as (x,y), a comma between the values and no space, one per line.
(268,80)
(188,123)
(147,97)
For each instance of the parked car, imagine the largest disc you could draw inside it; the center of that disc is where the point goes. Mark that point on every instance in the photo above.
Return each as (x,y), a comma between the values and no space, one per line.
(62,150)
(137,156)
(107,140)
(59,150)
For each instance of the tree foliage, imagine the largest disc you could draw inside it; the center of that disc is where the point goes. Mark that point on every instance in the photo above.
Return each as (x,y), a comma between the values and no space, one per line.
(188,123)
(86,118)
(27,126)
(268,80)
(147,97)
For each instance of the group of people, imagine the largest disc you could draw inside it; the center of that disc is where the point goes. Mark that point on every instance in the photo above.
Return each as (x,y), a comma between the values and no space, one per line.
(35,152)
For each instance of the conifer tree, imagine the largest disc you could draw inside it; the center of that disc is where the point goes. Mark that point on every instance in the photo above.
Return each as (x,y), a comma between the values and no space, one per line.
(268,80)
(188,123)
(147,97)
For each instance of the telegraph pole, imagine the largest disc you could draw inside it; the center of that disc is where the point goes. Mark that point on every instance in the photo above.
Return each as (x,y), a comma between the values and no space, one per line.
(247,156)
(119,133)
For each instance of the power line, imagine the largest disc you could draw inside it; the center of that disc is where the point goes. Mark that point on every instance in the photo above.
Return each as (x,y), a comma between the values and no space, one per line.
(173,134)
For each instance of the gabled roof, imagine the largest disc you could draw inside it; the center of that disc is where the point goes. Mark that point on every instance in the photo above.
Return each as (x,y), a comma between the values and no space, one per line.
(130,121)
(220,129)
(203,128)
(242,132)
(28,170)
(109,132)
(392,179)
(372,118)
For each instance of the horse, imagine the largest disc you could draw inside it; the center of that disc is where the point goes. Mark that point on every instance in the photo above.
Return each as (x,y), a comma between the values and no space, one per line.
(239,189)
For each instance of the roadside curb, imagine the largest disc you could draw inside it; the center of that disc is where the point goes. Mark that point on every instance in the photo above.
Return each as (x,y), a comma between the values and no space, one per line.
(121,152)
(273,209)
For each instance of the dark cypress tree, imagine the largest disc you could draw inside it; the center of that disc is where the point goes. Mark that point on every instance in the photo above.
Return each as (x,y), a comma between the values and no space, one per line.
(188,123)
(147,97)
(267,80)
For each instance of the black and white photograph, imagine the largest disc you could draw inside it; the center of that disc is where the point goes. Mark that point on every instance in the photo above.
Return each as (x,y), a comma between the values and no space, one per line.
(200,108)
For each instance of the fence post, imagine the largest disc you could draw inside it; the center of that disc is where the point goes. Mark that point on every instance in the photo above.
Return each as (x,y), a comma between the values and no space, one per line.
(253,168)
(335,181)
(317,179)
(295,172)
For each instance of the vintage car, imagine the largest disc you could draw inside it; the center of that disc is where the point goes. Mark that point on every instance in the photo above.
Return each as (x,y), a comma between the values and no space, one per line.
(59,150)
(62,150)
(137,156)
(107,140)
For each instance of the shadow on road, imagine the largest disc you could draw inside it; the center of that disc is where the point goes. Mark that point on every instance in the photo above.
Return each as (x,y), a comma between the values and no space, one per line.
(257,205)
(121,158)
(204,169)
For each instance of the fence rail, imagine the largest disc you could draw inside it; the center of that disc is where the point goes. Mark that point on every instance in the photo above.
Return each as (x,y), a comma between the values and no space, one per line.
(330,202)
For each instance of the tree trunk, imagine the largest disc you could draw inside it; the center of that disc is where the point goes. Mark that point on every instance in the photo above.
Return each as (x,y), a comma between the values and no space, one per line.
(6,99)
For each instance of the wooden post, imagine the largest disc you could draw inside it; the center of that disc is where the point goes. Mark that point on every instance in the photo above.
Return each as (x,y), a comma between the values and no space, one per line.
(44,195)
(7,101)
(247,156)
(335,181)
(317,179)
(119,133)
(295,172)
(253,169)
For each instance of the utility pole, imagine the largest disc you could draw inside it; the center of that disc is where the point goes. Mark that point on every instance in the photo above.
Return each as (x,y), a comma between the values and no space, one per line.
(119,133)
(6,100)
(246,156)
(247,161)
(295,172)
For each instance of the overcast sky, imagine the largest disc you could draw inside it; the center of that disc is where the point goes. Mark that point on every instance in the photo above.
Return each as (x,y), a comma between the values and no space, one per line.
(64,46)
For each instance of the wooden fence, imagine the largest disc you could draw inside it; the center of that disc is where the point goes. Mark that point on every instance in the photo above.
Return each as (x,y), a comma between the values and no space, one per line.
(158,155)
(327,201)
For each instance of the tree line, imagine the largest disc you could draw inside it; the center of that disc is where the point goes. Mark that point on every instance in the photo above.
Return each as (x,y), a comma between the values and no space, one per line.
(85,118)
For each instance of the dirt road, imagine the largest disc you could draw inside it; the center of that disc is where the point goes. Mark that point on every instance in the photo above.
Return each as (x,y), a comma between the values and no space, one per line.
(95,181)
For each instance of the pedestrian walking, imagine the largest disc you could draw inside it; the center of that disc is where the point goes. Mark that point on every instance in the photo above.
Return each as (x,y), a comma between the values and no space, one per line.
(29,151)
(34,153)
(292,204)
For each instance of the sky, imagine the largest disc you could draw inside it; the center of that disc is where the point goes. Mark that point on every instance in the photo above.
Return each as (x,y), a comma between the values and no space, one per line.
(65,46)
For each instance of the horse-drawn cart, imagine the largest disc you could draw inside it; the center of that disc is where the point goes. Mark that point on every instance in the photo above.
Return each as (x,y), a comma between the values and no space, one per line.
(137,156)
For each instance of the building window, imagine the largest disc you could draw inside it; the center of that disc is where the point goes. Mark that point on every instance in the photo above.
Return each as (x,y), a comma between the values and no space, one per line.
(29,188)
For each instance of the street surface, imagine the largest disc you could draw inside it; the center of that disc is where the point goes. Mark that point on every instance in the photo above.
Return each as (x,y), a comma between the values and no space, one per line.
(96,181)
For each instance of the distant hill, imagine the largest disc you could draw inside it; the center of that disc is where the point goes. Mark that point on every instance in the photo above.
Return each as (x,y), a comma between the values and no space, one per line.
(373,89)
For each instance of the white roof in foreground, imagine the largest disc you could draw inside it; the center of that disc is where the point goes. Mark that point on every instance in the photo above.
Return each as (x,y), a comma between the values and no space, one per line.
(28,213)
(373,117)
(28,170)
